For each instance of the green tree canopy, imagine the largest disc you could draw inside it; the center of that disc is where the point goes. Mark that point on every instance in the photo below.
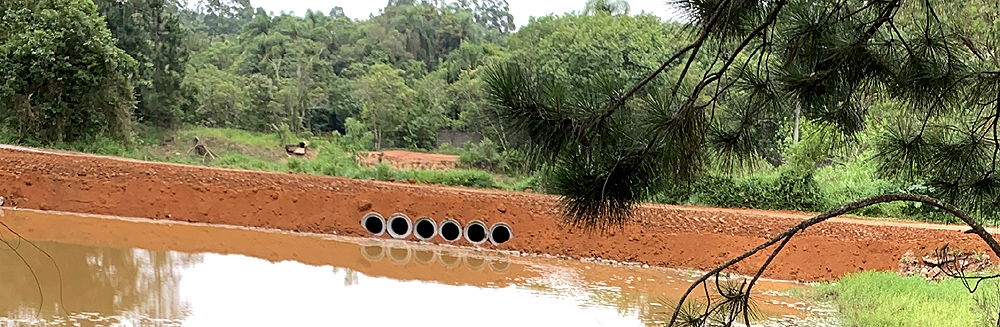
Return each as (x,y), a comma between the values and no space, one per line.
(747,62)
(581,51)
(150,31)
(611,7)
(63,79)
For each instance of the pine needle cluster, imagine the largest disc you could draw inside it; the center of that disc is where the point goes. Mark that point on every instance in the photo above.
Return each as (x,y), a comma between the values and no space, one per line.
(753,64)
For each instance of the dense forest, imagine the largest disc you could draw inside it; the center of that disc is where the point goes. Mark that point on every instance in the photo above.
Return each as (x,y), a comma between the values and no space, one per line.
(405,73)
(552,100)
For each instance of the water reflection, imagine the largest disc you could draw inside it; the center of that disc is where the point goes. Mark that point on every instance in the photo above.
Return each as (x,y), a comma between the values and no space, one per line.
(96,283)
(156,274)
(425,257)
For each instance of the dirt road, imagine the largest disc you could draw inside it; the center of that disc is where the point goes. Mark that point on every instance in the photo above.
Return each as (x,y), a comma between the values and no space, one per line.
(671,236)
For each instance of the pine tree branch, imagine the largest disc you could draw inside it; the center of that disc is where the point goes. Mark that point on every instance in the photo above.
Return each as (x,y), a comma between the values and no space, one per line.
(693,46)
(771,18)
(785,236)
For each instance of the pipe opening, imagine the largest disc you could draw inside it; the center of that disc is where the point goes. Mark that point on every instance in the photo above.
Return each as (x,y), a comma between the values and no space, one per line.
(373,223)
(499,233)
(425,228)
(400,226)
(424,257)
(373,252)
(475,232)
(400,254)
(450,230)
(475,263)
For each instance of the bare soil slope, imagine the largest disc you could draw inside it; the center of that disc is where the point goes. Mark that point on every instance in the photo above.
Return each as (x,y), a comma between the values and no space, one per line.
(670,236)
(410,160)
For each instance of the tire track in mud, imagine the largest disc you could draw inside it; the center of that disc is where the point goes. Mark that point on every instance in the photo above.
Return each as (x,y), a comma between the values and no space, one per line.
(663,235)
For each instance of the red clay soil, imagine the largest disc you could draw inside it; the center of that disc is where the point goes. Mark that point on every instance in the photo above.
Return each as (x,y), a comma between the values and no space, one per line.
(471,267)
(671,236)
(410,160)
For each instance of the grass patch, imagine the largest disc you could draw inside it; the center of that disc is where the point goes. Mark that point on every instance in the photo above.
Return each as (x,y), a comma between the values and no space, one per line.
(242,161)
(460,177)
(240,149)
(886,299)
(237,136)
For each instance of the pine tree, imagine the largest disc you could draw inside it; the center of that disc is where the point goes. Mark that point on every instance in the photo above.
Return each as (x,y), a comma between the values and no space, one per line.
(748,63)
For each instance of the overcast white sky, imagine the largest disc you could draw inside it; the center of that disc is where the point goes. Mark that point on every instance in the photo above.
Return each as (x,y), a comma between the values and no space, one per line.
(521,9)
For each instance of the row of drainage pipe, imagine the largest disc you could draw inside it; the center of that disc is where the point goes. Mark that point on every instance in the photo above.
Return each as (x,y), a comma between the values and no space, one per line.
(399,226)
(401,254)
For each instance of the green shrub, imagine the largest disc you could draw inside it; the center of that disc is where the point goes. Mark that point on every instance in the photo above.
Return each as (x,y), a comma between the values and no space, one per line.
(448,148)
(470,178)
(358,137)
(462,177)
(331,160)
(485,156)
(101,145)
(787,188)
(384,172)
(520,183)
(794,189)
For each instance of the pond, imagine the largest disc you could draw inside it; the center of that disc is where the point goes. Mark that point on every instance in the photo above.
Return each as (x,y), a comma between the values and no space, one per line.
(108,271)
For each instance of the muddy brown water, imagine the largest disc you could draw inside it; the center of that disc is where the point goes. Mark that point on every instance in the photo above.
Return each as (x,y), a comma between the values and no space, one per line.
(109,271)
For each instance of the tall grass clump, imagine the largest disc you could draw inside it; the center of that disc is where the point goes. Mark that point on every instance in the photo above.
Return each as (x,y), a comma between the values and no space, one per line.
(784,189)
(101,145)
(236,136)
(242,161)
(460,177)
(886,299)
(331,160)
(487,156)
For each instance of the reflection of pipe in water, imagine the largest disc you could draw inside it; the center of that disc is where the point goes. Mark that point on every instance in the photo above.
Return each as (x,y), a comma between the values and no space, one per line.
(424,257)
(500,232)
(475,232)
(373,252)
(500,265)
(400,226)
(373,223)
(474,263)
(449,260)
(400,254)
(425,228)
(450,230)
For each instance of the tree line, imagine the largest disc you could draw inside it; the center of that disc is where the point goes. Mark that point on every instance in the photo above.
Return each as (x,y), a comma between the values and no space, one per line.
(78,68)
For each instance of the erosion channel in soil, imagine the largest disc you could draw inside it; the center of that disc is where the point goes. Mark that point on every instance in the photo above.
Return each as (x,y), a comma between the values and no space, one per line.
(140,272)
(669,236)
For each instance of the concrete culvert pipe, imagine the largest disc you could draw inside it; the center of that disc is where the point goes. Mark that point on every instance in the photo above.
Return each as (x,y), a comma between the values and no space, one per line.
(373,252)
(425,229)
(450,230)
(500,233)
(373,223)
(399,226)
(475,232)
(400,254)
